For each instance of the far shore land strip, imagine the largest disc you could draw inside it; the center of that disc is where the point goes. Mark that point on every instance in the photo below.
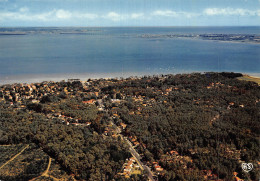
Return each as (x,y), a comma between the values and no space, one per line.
(236,38)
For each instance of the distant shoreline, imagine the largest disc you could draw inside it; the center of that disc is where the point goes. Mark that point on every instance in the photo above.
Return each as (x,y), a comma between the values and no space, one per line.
(217,37)
(30,78)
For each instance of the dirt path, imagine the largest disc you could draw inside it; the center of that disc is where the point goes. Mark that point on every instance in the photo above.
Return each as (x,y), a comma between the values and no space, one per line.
(15,156)
(55,179)
(45,173)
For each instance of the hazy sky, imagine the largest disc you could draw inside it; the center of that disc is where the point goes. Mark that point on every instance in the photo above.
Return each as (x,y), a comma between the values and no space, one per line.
(129,13)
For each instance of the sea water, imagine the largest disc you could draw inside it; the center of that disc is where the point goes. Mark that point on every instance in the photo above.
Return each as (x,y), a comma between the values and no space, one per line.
(120,51)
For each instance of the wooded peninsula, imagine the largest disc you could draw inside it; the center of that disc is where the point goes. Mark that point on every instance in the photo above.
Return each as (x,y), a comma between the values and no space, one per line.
(198,126)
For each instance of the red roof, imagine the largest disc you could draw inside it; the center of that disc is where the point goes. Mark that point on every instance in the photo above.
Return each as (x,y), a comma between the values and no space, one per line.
(91,101)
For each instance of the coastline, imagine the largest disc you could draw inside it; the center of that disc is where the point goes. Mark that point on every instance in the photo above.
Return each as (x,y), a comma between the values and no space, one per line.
(251,77)
(37,78)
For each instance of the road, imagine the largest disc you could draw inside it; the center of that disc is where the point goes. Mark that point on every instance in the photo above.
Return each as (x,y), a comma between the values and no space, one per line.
(138,159)
(135,154)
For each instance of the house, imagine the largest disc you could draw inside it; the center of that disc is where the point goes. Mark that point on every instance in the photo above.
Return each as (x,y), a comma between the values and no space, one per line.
(209,172)
(169,89)
(123,125)
(88,123)
(91,101)
(238,179)
(160,169)
(115,100)
(57,114)
(96,93)
(231,103)
(115,115)
(76,124)
(174,152)
(136,143)
(132,113)
(157,167)
(132,159)
(127,168)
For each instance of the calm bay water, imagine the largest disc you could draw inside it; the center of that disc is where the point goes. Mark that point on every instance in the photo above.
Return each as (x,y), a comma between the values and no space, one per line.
(120,52)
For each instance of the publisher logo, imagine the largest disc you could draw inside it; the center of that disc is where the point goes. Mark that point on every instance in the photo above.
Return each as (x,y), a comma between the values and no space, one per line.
(247,167)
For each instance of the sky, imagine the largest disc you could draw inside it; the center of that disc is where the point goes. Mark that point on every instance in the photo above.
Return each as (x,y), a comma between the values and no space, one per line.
(129,13)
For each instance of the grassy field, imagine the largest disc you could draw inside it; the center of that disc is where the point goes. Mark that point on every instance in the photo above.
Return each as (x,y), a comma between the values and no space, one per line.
(250,78)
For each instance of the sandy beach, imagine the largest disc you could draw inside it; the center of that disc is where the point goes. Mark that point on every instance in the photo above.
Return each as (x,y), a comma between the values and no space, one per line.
(35,78)
(251,77)
(28,78)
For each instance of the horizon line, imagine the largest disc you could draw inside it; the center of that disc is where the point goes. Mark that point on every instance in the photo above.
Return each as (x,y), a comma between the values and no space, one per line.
(127,26)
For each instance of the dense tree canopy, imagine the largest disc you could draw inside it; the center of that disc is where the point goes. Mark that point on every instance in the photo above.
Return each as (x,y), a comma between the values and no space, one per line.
(187,123)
